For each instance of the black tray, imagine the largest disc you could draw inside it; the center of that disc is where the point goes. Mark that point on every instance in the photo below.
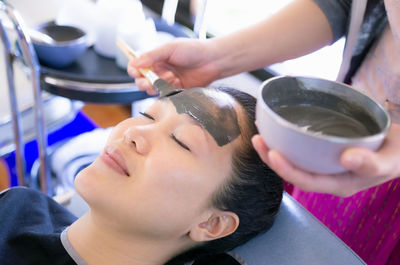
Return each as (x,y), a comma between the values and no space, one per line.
(92,68)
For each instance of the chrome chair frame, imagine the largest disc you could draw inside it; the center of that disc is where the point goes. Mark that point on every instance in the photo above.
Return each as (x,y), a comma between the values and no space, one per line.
(28,55)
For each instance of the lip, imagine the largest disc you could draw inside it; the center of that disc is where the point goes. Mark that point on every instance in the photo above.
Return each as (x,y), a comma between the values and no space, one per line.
(113,158)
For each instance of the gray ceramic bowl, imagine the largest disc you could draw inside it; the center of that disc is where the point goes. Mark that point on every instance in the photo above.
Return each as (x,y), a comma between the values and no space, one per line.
(70,43)
(312,121)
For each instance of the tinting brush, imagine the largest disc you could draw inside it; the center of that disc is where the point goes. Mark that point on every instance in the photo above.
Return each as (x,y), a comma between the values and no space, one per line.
(164,88)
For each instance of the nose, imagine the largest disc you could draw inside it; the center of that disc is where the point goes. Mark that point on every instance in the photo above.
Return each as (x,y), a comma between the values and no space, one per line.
(138,138)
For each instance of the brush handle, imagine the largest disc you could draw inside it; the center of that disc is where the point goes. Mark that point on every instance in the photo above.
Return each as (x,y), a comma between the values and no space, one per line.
(146,72)
(163,87)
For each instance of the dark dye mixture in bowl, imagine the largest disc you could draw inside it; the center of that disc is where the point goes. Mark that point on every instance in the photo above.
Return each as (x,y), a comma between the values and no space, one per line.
(305,103)
(328,122)
(62,33)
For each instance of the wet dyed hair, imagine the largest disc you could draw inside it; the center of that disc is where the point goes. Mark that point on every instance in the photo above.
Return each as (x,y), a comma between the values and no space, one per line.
(253,191)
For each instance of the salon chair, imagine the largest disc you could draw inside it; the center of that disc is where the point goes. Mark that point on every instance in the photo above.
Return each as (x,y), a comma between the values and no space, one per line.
(296,238)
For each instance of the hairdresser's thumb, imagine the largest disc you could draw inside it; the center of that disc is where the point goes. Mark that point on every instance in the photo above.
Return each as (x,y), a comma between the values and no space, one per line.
(362,162)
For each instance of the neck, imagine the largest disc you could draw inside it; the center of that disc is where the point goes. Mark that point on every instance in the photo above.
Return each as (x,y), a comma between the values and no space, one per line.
(99,243)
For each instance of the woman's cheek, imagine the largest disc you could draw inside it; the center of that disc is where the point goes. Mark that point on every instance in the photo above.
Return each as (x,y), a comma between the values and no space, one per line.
(168,161)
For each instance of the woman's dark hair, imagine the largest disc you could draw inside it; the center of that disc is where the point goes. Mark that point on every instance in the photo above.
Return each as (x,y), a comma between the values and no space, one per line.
(253,192)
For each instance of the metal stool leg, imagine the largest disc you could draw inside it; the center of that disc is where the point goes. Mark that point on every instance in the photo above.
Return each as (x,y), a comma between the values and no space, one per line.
(169,11)
(200,23)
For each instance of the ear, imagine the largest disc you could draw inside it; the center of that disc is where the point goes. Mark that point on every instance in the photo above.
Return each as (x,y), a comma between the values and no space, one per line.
(219,224)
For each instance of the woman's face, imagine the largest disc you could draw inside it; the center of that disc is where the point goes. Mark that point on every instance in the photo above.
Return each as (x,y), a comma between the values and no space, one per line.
(157,173)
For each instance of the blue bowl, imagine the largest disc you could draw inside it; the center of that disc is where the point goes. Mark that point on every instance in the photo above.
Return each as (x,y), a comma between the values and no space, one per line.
(70,43)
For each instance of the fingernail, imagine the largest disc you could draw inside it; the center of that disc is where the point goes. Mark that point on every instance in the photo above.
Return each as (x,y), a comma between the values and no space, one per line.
(135,62)
(273,159)
(353,161)
(141,61)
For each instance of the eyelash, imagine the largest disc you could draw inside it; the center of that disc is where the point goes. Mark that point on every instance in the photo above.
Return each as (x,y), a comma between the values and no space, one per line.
(146,115)
(172,136)
(180,143)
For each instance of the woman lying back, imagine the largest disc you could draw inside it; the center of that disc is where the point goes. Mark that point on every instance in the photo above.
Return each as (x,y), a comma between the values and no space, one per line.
(178,183)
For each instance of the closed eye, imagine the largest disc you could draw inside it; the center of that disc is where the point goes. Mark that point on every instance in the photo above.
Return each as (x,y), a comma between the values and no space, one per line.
(180,143)
(172,136)
(147,115)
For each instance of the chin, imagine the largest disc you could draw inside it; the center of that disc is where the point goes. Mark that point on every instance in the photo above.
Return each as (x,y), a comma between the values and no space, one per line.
(91,184)
(80,183)
(85,183)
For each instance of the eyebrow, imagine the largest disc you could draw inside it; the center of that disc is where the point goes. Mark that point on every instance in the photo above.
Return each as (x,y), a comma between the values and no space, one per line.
(193,120)
(196,122)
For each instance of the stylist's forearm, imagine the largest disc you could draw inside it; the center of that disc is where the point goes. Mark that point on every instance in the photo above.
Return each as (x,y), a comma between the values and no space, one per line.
(393,12)
(298,29)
